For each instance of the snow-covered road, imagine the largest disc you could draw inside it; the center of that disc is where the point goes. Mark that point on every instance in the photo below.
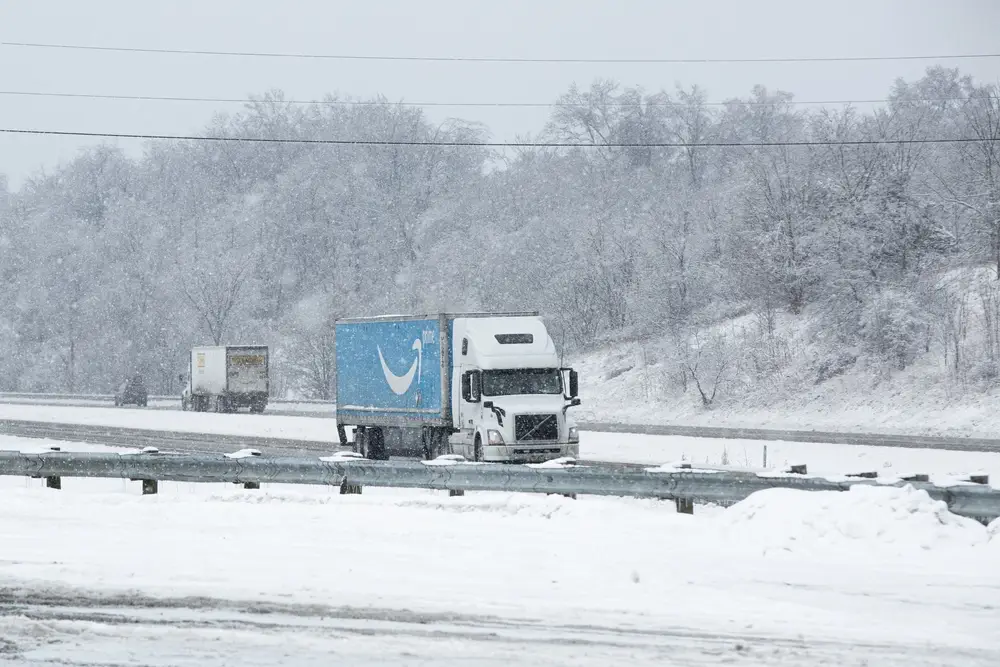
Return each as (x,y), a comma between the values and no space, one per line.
(617,447)
(210,575)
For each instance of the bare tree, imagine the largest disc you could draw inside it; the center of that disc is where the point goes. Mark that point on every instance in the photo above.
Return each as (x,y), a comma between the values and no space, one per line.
(711,363)
(214,293)
(311,362)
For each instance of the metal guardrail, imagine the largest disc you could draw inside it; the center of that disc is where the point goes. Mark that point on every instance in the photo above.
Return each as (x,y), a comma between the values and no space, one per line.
(977,501)
(193,443)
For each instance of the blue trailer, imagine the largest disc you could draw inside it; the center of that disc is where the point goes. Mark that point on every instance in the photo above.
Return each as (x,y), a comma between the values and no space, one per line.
(399,385)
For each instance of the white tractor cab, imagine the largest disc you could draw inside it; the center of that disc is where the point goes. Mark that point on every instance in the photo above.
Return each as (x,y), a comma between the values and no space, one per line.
(510,396)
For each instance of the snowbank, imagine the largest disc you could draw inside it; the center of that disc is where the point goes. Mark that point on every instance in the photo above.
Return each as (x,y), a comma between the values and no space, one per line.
(993,532)
(866,518)
(593,562)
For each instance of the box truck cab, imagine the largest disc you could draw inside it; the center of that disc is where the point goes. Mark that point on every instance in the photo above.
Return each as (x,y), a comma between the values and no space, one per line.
(486,386)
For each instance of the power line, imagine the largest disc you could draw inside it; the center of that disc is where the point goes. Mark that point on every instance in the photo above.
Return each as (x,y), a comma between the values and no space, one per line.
(491,144)
(490,59)
(246,100)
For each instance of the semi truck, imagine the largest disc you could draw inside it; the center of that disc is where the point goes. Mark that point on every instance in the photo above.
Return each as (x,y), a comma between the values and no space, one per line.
(488,387)
(225,378)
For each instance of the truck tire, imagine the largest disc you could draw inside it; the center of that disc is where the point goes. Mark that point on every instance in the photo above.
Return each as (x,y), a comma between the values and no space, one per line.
(477,449)
(361,441)
(376,444)
(435,442)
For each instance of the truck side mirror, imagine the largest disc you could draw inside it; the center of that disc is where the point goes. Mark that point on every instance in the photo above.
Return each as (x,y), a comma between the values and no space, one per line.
(574,384)
(471,388)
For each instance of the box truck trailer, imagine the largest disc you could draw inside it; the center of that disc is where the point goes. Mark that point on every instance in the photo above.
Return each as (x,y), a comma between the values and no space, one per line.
(227,377)
(489,387)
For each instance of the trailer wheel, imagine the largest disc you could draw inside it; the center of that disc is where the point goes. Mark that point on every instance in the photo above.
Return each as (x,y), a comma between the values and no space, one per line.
(361,441)
(477,451)
(376,445)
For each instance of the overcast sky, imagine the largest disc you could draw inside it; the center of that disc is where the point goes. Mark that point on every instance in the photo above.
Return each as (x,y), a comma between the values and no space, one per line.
(483,28)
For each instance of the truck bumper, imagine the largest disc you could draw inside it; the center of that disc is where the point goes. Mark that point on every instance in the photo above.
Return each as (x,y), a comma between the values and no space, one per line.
(530,453)
(248,400)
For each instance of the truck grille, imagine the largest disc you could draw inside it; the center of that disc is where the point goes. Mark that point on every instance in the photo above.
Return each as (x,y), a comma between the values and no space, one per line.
(536,427)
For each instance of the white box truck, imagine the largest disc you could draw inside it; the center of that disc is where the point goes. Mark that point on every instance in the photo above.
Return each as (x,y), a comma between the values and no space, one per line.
(227,377)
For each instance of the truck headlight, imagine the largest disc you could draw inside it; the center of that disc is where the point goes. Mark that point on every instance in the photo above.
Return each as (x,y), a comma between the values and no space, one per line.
(574,434)
(494,437)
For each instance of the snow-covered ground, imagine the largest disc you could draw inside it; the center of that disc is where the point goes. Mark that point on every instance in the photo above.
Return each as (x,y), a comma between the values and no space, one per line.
(212,575)
(634,382)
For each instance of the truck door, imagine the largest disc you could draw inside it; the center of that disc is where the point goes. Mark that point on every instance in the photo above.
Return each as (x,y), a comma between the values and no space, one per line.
(247,372)
(470,410)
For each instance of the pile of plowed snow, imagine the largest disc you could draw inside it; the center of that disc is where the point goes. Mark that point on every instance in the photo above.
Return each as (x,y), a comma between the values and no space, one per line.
(866,518)
(993,531)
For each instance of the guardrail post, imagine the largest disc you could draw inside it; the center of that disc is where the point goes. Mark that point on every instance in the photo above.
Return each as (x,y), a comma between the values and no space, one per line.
(53,482)
(454,493)
(347,488)
(979,479)
(799,469)
(149,487)
(685,506)
(251,485)
(918,477)
(863,475)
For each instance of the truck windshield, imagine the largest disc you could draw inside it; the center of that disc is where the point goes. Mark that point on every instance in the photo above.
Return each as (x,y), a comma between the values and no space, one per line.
(514,381)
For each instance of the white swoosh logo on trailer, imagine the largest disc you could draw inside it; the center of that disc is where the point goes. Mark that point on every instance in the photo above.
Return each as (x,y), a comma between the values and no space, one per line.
(400,384)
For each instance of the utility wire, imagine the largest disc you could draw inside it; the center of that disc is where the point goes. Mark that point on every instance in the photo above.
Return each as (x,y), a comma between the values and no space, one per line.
(491,144)
(471,59)
(243,100)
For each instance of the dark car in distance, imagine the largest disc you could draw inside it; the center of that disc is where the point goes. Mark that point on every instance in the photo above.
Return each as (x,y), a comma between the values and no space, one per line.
(132,392)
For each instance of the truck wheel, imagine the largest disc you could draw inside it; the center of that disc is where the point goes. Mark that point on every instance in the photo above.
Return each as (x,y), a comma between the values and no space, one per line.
(361,441)
(376,445)
(477,451)
(435,443)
